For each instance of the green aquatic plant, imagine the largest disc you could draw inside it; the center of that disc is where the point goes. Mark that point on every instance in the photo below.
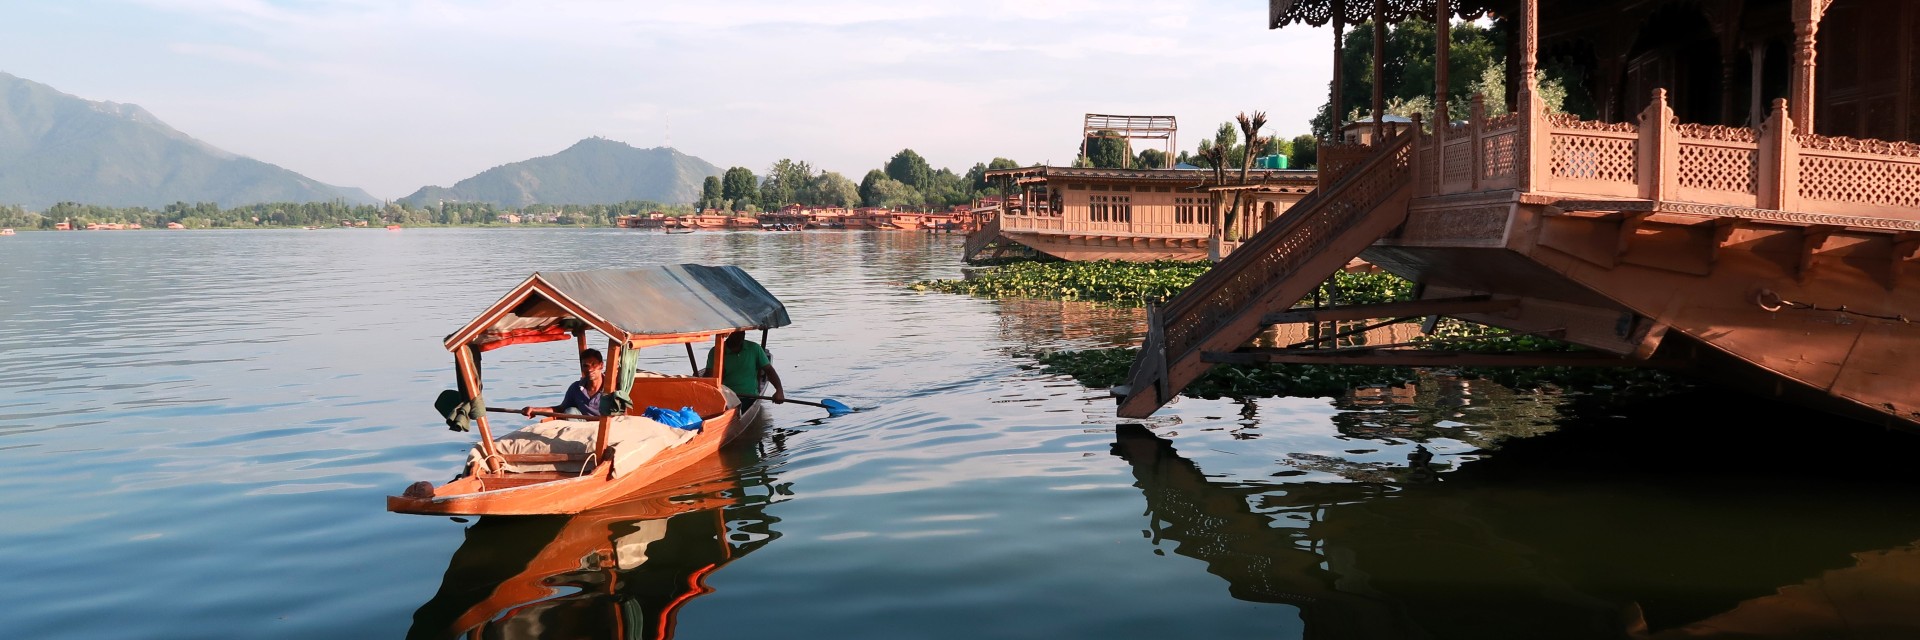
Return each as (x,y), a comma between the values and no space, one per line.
(1113,281)
(1099,368)
(1137,283)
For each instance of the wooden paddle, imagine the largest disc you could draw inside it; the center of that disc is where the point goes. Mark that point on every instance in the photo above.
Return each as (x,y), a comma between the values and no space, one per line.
(544,414)
(833,407)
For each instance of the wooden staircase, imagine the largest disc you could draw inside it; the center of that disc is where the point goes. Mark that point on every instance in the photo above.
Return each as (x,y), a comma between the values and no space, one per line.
(983,237)
(1270,272)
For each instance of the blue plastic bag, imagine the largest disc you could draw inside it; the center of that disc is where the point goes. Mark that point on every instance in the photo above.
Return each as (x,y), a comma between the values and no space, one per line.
(685,418)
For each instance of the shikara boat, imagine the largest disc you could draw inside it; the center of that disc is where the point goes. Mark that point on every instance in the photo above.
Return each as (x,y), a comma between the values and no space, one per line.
(568,467)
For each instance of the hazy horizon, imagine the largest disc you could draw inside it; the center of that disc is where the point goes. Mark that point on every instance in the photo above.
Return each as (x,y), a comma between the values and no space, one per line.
(393,96)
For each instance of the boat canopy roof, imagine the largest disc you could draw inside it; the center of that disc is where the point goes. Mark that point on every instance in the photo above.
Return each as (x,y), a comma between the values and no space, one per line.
(642,304)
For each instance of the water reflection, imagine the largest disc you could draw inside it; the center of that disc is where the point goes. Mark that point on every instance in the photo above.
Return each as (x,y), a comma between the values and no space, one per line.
(1614,526)
(1478,412)
(619,571)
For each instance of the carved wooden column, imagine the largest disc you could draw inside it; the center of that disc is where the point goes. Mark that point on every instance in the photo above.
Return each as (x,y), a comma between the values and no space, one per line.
(1756,105)
(1806,26)
(1443,43)
(1727,27)
(1379,82)
(1339,75)
(1441,31)
(1533,132)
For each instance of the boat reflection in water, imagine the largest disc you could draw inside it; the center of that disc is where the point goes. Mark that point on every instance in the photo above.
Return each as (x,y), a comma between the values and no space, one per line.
(1682,519)
(618,571)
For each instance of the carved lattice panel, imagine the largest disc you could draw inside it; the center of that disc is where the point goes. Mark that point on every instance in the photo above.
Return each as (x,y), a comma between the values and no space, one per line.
(1459,164)
(1593,158)
(1498,153)
(1429,178)
(1718,168)
(1851,180)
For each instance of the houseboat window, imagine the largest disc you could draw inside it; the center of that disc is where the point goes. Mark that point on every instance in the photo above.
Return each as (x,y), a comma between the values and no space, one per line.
(1100,187)
(1191,211)
(1077,186)
(1110,209)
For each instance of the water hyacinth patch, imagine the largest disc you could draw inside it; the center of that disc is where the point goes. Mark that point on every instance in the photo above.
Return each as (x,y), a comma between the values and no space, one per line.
(1114,281)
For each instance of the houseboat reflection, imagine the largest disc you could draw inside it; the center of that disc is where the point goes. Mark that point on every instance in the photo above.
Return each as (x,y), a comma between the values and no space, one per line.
(1563,535)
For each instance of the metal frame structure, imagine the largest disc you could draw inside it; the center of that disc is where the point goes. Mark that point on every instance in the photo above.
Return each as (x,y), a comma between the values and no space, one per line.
(1165,128)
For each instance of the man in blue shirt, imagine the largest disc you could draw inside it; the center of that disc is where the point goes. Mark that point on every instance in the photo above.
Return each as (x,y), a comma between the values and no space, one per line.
(583,396)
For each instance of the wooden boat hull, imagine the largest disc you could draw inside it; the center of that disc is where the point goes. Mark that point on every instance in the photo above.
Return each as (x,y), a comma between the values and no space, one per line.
(471,496)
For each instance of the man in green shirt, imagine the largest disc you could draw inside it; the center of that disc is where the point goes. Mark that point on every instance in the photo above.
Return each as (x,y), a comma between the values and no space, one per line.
(746,362)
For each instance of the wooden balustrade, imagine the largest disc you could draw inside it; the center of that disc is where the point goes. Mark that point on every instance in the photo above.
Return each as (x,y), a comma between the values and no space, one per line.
(1660,158)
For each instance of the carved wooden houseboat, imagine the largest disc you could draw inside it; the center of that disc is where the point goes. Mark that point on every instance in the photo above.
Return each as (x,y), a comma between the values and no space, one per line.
(1076,213)
(1745,204)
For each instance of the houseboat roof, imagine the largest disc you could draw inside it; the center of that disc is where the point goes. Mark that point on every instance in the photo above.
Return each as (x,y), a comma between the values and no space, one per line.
(1317,13)
(625,304)
(1167,175)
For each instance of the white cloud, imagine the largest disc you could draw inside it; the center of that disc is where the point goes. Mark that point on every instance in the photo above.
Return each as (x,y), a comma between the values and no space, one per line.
(391,95)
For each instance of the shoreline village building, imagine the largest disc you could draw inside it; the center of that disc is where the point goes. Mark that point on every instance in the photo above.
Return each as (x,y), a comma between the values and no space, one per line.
(1080,213)
(1742,203)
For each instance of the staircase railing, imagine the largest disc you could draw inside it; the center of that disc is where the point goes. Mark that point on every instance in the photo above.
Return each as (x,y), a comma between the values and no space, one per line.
(989,231)
(1251,278)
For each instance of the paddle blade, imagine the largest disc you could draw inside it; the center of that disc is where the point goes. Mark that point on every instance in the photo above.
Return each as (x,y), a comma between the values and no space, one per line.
(835,407)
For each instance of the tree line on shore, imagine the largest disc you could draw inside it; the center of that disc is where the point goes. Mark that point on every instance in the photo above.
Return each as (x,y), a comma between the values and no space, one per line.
(905,181)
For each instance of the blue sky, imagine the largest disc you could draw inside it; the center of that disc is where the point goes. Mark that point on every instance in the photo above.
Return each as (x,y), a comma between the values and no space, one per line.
(391,95)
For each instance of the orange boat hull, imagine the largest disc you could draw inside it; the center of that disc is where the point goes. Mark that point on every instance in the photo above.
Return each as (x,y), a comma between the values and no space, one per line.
(470,495)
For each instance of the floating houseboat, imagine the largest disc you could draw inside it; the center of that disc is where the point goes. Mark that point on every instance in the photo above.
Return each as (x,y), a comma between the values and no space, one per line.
(1075,213)
(1744,203)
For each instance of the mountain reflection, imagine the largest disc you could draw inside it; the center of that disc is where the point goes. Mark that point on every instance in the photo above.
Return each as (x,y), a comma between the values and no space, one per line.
(619,571)
(1698,516)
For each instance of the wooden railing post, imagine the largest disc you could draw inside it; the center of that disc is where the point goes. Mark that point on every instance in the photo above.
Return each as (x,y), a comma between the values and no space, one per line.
(1476,125)
(1534,147)
(1439,138)
(1658,146)
(1775,137)
(1420,187)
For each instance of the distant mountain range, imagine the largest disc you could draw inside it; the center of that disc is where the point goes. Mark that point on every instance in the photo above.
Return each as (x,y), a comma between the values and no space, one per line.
(592,171)
(56,147)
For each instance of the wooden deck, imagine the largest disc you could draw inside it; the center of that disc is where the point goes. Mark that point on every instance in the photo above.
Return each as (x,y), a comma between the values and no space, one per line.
(1782,262)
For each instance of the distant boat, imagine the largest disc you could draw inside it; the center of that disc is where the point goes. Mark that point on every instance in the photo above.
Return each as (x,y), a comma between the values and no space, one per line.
(393,227)
(6,232)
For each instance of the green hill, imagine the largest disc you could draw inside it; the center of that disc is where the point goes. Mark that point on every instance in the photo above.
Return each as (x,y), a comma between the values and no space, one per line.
(592,171)
(56,147)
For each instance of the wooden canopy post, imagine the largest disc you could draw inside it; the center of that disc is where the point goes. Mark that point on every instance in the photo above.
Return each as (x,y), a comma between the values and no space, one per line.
(1379,83)
(1756,103)
(1806,27)
(1443,43)
(580,341)
(611,375)
(1339,76)
(463,360)
(719,359)
(1531,133)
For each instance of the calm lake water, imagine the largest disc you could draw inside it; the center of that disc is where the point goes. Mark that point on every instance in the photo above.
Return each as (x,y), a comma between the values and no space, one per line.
(197,430)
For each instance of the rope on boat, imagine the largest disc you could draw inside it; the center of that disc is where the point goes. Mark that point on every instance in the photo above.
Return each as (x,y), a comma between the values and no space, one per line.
(1770,301)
